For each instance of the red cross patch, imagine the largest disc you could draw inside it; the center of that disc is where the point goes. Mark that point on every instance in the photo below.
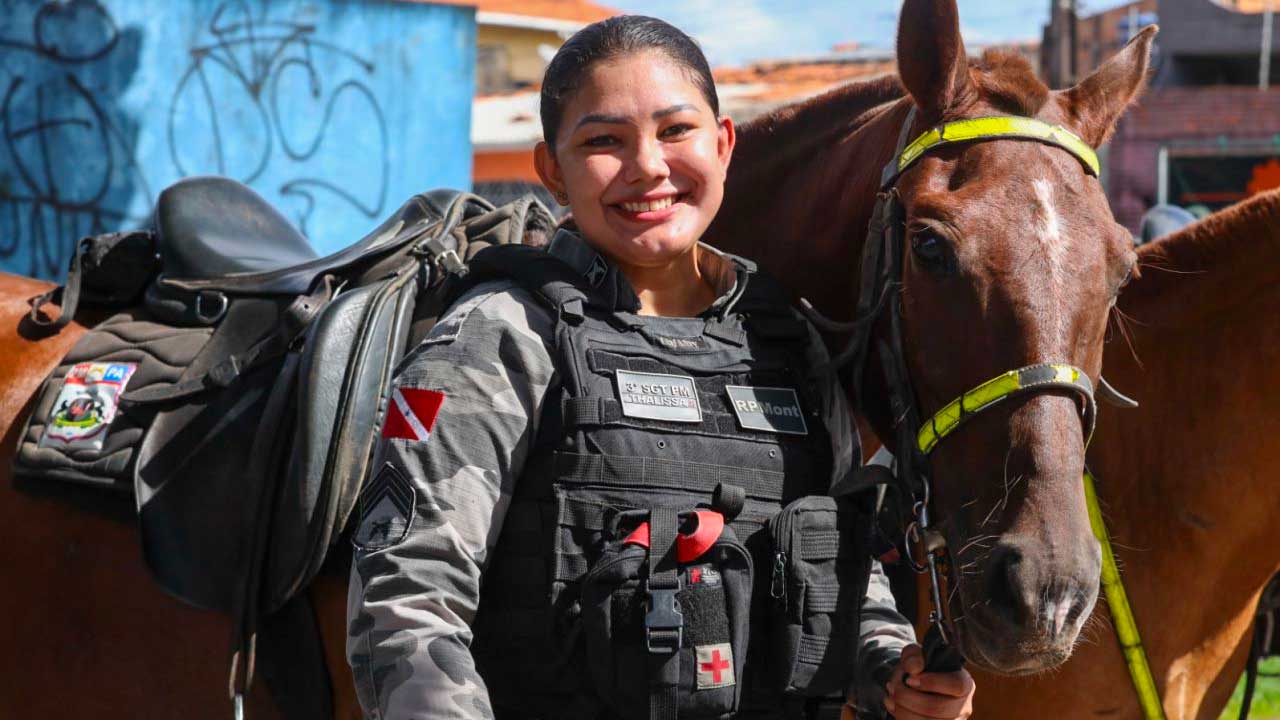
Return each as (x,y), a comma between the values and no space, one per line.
(715,666)
(412,413)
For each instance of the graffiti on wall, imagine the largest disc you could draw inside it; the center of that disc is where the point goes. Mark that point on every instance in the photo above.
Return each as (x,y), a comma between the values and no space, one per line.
(270,68)
(49,106)
(103,103)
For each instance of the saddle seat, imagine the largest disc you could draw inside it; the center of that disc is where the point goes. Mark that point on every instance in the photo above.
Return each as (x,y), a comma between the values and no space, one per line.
(208,227)
(214,233)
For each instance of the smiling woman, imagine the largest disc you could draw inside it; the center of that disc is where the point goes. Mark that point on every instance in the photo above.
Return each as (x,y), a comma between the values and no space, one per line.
(622,509)
(636,146)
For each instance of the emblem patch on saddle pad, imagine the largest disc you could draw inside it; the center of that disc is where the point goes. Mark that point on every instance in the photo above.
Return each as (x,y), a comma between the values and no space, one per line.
(386,510)
(412,413)
(769,409)
(86,405)
(715,666)
(659,397)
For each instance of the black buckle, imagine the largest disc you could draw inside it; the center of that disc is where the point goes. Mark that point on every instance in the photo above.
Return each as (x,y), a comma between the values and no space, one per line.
(663,622)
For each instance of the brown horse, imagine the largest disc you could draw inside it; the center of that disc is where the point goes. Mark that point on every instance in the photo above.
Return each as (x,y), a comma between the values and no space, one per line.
(1014,259)
(1187,480)
(89,633)
(983,295)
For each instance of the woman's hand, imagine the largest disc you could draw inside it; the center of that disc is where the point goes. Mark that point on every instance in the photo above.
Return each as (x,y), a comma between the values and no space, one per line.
(917,695)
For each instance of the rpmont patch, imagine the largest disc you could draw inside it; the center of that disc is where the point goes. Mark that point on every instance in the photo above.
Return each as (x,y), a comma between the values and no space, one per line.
(768,409)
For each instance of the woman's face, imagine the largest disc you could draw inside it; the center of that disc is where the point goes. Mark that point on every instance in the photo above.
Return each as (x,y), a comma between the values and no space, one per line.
(641,157)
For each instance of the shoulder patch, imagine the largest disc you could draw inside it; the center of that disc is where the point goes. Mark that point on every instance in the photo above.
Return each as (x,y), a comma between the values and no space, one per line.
(386,510)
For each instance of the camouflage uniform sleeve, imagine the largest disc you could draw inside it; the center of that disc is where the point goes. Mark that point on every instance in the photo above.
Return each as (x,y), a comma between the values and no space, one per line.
(415,583)
(882,635)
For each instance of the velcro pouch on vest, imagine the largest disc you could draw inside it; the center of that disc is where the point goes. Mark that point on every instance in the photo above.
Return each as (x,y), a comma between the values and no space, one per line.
(817,580)
(668,629)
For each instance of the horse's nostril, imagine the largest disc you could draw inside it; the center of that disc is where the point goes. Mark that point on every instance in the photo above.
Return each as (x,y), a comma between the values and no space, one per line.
(1006,583)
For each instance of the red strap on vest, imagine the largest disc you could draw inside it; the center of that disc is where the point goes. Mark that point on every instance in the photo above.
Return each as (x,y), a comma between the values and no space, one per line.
(710,525)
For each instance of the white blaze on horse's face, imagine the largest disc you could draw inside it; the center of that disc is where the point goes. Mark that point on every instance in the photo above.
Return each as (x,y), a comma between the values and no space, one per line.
(1049,231)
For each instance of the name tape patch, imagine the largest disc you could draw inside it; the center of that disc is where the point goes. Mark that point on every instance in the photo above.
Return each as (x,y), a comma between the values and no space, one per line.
(659,397)
(769,409)
(681,344)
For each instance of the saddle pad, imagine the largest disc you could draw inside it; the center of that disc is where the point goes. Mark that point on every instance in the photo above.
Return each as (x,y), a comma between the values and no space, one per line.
(79,430)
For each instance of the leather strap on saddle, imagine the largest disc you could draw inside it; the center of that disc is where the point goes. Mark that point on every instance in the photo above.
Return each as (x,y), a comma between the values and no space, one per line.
(294,322)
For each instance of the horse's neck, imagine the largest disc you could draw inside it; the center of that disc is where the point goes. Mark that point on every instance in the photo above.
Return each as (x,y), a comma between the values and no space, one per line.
(1211,267)
(1192,504)
(800,208)
(27,357)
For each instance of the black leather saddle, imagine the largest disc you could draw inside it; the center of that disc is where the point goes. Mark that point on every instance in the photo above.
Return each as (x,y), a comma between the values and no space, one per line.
(208,227)
(215,233)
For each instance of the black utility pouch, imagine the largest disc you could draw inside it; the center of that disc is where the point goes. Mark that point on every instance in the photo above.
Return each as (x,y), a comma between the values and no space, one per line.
(668,626)
(818,577)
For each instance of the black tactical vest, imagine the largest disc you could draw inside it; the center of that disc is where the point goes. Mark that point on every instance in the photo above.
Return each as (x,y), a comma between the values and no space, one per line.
(651,412)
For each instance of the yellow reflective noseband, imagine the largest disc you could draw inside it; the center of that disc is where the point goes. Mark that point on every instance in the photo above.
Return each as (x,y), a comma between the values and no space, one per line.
(994,128)
(1041,377)
(1032,378)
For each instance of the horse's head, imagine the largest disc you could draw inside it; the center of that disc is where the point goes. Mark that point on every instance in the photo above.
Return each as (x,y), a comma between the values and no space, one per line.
(1012,258)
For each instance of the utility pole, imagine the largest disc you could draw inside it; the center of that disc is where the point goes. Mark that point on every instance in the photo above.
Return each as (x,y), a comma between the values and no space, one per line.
(1066,42)
(1264,62)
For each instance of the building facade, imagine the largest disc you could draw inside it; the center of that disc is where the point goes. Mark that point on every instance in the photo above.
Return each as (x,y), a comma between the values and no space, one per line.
(515,41)
(1206,133)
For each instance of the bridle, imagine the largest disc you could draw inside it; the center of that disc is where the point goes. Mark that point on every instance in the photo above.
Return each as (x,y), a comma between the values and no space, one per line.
(880,297)
(880,294)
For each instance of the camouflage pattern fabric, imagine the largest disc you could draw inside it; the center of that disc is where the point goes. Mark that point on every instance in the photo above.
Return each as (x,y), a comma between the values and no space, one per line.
(411,603)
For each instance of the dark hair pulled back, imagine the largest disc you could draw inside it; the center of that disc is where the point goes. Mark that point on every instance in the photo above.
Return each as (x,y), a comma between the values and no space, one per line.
(612,38)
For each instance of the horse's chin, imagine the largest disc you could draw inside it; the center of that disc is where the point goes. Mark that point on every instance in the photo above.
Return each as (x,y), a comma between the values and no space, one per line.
(1001,654)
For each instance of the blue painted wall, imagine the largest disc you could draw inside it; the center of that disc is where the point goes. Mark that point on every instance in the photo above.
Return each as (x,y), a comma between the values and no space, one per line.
(334,110)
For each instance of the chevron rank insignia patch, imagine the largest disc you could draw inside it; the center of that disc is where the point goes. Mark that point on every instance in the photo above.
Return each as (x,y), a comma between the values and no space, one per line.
(386,510)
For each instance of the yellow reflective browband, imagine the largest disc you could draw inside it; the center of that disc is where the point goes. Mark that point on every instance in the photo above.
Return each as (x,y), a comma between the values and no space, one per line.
(991,128)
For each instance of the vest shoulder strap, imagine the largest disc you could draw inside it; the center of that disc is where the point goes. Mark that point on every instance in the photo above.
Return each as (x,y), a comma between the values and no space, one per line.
(768,307)
(545,276)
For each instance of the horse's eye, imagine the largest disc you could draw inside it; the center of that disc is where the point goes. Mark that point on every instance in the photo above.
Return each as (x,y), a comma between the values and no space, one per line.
(931,251)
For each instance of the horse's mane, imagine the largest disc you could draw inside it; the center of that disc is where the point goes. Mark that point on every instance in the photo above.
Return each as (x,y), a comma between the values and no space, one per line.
(1228,258)
(1001,78)
(1007,81)
(792,131)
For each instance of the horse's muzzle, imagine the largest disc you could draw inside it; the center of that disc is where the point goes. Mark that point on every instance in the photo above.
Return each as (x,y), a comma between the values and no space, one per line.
(1036,603)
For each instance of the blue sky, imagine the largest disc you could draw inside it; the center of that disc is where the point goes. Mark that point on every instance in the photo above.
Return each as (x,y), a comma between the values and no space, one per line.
(738,31)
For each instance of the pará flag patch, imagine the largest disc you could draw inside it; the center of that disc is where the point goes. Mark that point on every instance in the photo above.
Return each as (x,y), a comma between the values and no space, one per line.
(412,413)
(386,510)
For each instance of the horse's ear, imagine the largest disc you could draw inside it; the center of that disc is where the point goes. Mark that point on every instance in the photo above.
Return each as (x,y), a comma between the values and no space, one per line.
(1100,99)
(931,58)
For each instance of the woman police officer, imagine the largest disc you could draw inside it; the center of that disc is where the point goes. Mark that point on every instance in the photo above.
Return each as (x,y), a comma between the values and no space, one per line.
(595,373)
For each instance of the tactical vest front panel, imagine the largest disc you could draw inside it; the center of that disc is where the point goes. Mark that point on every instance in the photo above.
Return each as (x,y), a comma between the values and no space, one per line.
(600,451)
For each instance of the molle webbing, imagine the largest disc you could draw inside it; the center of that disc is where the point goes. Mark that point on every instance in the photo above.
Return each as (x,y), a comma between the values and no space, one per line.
(648,472)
